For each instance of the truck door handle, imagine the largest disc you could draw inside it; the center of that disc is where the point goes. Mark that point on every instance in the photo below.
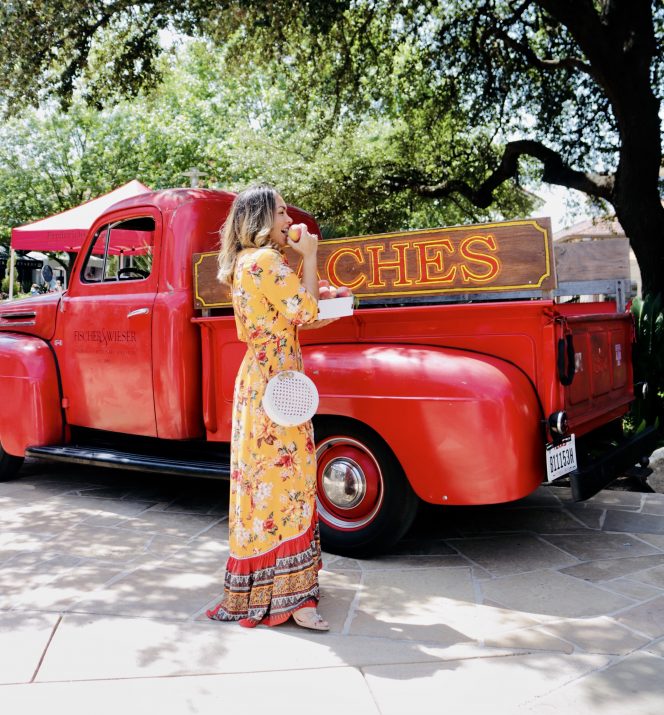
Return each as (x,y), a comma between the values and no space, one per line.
(138,311)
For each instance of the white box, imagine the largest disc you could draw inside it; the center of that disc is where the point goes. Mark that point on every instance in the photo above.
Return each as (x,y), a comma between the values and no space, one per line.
(335,307)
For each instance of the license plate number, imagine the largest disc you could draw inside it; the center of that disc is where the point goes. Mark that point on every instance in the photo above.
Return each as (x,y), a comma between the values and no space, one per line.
(560,458)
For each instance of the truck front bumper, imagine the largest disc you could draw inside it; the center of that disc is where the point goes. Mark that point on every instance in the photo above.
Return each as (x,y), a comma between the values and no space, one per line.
(595,474)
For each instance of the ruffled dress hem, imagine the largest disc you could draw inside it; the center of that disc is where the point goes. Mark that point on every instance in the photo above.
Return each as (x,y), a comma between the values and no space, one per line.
(268,588)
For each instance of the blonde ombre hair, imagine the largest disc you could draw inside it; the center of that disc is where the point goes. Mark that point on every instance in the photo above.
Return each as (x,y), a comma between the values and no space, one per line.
(248,225)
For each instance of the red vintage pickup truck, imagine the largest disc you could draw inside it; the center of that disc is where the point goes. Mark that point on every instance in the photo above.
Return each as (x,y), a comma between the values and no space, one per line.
(431,391)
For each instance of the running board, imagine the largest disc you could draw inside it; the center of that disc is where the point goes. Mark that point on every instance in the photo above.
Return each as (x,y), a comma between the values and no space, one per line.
(102,457)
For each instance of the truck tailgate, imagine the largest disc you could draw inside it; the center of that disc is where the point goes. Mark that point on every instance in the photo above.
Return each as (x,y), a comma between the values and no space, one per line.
(601,386)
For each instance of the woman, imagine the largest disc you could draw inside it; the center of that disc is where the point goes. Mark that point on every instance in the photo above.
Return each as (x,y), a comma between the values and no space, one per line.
(272,571)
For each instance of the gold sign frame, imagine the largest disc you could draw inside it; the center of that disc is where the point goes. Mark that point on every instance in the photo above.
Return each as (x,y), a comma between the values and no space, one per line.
(483,258)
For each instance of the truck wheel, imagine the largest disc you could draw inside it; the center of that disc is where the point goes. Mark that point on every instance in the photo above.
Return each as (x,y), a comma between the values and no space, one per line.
(9,465)
(365,502)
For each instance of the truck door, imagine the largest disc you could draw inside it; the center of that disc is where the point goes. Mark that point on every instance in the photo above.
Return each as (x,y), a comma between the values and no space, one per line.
(107,335)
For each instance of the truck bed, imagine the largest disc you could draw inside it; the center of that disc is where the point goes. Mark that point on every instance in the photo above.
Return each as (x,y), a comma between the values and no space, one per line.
(524,333)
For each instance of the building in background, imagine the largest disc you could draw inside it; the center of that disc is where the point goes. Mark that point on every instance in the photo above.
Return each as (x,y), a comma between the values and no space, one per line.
(599,229)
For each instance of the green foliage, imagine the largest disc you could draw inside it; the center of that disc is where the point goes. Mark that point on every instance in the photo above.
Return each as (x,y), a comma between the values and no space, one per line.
(47,47)
(374,114)
(51,161)
(541,64)
(648,316)
(491,62)
(236,128)
(4,285)
(550,68)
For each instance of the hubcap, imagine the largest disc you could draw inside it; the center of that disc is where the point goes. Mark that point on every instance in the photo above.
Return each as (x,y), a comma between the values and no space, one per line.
(344,483)
(350,483)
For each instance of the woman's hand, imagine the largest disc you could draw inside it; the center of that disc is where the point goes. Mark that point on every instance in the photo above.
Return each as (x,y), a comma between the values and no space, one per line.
(307,244)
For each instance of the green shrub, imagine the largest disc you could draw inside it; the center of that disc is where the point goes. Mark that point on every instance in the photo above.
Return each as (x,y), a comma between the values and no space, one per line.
(648,314)
(18,290)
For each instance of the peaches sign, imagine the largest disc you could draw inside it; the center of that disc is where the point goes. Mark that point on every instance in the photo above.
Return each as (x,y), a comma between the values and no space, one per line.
(483,258)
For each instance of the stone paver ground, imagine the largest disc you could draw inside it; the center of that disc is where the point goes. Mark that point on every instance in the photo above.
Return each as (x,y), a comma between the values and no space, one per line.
(539,606)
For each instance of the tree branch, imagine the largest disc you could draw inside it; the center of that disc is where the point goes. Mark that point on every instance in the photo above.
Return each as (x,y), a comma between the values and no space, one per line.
(556,171)
(534,60)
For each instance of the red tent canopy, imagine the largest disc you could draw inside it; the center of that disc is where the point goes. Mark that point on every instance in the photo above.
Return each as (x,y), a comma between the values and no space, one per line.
(66,231)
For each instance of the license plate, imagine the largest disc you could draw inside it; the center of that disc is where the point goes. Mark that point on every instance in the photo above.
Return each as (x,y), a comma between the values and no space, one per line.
(560,458)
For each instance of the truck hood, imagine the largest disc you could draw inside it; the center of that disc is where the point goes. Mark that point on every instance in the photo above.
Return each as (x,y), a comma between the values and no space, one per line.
(35,315)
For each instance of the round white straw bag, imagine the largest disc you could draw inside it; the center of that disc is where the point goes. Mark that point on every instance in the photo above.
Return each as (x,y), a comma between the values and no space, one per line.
(290,398)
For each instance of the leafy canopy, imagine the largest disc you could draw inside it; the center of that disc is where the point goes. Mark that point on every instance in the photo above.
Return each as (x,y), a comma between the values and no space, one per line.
(236,127)
(496,62)
(449,102)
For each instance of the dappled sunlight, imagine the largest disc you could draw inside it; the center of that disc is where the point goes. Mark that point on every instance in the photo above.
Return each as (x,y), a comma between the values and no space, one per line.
(119,569)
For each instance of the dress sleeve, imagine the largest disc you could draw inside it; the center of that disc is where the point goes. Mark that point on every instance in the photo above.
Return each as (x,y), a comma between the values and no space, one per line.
(281,286)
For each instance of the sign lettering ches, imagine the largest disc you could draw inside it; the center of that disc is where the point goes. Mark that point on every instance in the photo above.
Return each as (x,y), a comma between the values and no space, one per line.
(484,258)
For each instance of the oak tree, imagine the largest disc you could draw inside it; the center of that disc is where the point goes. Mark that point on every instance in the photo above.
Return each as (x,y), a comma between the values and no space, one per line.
(565,90)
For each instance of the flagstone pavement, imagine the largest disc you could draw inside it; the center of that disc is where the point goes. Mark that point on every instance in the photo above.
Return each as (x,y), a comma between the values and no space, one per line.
(540,606)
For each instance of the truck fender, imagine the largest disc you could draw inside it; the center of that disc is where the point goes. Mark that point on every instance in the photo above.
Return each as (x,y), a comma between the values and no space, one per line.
(464,426)
(31,413)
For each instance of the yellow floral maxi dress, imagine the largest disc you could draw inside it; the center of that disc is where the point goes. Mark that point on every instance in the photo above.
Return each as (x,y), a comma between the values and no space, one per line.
(274,541)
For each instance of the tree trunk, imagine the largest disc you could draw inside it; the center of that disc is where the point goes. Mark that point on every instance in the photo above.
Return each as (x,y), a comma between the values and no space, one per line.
(619,40)
(643,223)
(635,194)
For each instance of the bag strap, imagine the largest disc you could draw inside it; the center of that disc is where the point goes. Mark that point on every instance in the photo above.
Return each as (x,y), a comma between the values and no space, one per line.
(260,368)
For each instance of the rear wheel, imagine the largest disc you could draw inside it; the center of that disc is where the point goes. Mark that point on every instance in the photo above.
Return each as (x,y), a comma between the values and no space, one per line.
(365,502)
(9,465)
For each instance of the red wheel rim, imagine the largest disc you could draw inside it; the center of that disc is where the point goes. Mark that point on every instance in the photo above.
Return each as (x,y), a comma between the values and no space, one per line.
(350,483)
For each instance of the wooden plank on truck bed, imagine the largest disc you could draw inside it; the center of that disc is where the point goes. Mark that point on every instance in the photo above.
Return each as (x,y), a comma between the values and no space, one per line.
(603,259)
(490,259)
